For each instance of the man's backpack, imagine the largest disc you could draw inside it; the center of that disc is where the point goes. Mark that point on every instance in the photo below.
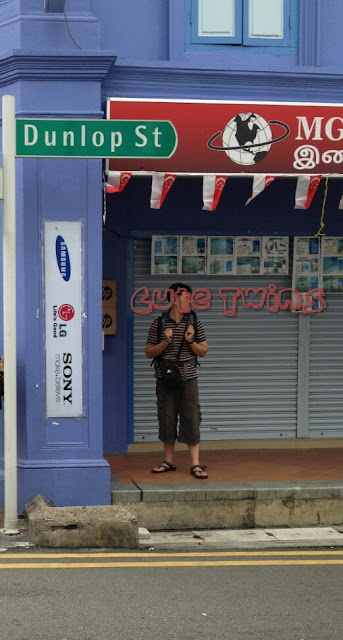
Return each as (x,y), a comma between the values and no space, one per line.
(160,328)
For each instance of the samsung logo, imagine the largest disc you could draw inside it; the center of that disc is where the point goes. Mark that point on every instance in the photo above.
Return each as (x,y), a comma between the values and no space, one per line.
(62,257)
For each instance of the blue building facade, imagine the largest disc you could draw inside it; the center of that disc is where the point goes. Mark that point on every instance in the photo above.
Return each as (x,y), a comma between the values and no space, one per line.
(67,65)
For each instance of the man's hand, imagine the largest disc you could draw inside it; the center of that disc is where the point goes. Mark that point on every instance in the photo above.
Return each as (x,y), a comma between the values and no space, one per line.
(168,335)
(189,335)
(2,363)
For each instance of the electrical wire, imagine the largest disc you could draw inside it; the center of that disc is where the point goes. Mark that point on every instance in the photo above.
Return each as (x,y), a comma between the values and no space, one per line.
(322,219)
(70,34)
(118,235)
(104,211)
(104,214)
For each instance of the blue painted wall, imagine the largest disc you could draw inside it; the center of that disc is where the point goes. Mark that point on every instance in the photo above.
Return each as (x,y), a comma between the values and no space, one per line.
(137,29)
(331,42)
(54,74)
(115,355)
(25,25)
(61,458)
(145,31)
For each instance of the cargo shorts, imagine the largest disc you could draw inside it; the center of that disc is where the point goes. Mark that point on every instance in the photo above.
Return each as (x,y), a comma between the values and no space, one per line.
(180,402)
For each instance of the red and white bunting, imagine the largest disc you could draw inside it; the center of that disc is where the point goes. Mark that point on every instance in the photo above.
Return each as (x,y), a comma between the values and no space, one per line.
(116,181)
(160,185)
(306,188)
(212,189)
(260,183)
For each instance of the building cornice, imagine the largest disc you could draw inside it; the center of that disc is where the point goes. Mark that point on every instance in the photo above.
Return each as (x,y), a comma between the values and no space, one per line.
(294,85)
(54,65)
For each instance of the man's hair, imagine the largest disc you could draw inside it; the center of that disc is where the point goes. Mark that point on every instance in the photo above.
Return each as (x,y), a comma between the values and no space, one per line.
(179,285)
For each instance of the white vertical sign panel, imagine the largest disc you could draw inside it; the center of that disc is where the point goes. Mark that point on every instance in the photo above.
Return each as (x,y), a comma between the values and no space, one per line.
(63,309)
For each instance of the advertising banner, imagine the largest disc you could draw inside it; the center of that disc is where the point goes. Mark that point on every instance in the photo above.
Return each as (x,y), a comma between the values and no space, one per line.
(63,309)
(231,137)
(109,303)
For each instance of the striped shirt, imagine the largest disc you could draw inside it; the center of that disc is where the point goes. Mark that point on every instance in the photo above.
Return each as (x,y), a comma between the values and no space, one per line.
(171,351)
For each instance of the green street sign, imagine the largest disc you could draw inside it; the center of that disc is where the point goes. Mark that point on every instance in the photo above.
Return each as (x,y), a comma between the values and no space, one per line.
(95,138)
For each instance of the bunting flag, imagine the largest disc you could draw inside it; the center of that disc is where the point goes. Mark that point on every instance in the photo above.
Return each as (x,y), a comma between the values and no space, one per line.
(212,190)
(306,188)
(213,185)
(116,181)
(160,185)
(260,183)
(341,203)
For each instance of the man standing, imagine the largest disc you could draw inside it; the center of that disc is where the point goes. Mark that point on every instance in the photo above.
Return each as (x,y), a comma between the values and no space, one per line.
(181,400)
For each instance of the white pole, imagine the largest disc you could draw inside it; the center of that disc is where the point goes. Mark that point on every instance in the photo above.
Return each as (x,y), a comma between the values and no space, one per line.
(9,304)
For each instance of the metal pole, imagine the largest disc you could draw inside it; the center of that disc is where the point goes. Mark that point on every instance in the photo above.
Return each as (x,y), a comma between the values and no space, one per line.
(9,304)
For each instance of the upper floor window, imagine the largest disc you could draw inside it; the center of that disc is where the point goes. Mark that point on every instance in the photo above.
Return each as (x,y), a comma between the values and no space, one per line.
(257,23)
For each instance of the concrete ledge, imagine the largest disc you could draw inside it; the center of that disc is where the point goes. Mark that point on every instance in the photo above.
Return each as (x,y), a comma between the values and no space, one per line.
(245,445)
(246,539)
(126,493)
(79,527)
(238,505)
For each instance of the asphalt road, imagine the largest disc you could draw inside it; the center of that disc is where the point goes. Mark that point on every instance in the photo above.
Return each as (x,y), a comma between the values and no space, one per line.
(266,595)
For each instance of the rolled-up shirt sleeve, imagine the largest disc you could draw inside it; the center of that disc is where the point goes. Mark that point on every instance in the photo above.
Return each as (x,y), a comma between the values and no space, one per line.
(200,334)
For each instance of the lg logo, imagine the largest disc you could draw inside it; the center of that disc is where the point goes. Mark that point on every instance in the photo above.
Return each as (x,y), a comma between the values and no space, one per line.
(66,312)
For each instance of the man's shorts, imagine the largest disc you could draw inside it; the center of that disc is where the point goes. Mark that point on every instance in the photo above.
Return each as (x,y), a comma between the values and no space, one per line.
(181,401)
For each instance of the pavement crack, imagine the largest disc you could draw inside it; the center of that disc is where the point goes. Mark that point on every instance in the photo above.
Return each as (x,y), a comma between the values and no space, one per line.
(196,535)
(139,488)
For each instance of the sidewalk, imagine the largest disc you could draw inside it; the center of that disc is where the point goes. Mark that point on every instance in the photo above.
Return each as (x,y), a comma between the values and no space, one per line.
(249,539)
(245,489)
(316,465)
(249,496)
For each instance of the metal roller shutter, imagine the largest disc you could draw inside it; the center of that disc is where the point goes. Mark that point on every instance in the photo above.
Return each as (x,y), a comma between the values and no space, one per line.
(248,380)
(326,371)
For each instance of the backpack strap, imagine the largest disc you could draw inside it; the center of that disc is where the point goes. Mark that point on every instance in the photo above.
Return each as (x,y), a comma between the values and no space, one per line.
(194,322)
(1,387)
(161,324)
(160,328)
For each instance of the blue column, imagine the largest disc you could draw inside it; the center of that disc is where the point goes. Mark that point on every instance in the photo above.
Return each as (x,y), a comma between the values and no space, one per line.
(61,458)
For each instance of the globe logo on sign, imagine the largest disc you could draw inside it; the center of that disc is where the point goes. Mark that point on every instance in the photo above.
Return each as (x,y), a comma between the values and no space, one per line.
(247,138)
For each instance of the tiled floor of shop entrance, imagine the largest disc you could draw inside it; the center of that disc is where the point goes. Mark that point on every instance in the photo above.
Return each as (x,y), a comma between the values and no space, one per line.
(234,466)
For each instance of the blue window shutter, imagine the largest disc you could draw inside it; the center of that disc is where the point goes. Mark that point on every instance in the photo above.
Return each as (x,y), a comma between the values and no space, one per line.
(284,37)
(197,14)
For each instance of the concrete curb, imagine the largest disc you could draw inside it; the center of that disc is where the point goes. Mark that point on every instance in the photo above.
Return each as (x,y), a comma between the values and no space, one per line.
(242,540)
(233,505)
(80,527)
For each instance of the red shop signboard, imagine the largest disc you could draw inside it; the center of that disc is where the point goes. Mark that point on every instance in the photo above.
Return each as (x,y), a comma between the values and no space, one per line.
(228,137)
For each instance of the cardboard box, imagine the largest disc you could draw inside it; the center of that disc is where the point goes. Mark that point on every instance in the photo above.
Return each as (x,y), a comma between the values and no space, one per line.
(109,307)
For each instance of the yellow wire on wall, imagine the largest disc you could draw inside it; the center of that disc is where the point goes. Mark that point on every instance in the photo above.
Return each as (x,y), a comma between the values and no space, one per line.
(322,219)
